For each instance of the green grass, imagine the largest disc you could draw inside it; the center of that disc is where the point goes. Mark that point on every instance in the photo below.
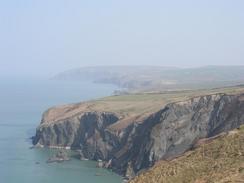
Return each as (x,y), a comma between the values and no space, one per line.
(139,103)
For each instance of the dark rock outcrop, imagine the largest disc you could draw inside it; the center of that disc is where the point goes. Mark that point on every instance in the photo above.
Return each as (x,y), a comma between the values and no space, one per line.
(60,156)
(164,134)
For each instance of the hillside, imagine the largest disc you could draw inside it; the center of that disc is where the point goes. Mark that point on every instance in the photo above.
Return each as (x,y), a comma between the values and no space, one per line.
(216,160)
(155,78)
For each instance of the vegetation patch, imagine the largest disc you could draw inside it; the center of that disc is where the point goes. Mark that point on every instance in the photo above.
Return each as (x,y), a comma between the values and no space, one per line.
(219,160)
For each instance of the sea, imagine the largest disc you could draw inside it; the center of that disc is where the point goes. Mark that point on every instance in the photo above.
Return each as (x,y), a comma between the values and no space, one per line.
(22,103)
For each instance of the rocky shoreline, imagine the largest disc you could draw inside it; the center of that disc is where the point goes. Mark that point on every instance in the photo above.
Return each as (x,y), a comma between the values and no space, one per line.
(59,157)
(166,133)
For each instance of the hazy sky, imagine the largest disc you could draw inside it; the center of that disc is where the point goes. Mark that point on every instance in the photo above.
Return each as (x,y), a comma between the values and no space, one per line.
(43,37)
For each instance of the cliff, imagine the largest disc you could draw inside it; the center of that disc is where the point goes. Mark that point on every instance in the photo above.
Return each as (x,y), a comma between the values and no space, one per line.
(165,126)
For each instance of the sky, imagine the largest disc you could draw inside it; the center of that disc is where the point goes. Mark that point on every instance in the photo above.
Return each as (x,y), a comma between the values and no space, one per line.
(39,38)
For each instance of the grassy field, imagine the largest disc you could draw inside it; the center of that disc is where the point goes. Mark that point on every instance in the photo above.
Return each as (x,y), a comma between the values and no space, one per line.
(132,107)
(218,161)
(148,102)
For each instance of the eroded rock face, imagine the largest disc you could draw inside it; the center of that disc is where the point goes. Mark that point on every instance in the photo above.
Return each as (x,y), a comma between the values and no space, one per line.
(165,134)
(183,123)
(85,131)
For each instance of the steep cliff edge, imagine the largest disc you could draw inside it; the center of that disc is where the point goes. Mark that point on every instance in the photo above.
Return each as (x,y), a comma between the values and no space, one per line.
(133,141)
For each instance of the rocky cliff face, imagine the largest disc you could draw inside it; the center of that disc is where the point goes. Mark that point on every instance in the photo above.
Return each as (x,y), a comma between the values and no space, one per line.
(164,134)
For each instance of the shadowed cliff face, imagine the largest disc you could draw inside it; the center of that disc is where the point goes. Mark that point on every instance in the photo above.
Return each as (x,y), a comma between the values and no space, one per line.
(164,134)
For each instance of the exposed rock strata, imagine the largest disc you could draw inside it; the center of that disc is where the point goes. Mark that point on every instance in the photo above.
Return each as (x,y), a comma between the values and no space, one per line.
(164,134)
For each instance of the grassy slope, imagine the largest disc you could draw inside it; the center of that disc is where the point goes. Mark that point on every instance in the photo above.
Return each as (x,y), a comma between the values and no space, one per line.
(218,161)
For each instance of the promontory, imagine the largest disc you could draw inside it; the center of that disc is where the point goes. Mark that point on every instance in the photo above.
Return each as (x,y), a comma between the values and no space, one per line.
(133,132)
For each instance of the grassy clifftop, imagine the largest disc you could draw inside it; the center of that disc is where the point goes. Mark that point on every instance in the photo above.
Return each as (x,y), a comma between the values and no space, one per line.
(216,160)
(132,107)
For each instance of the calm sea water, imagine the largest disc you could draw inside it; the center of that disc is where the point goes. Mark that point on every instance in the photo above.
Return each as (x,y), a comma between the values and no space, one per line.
(21,106)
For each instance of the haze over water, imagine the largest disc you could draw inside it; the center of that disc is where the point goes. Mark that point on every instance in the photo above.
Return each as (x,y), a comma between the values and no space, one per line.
(21,106)
(42,38)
